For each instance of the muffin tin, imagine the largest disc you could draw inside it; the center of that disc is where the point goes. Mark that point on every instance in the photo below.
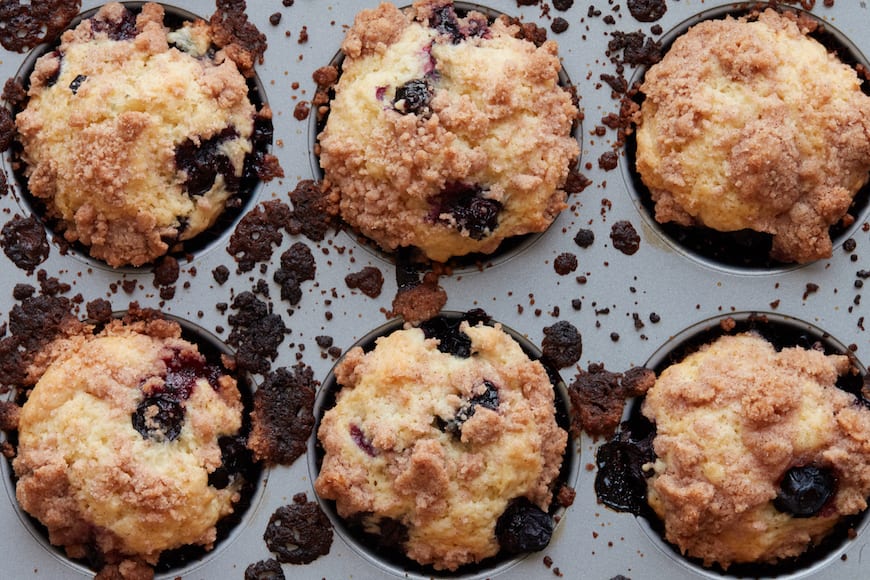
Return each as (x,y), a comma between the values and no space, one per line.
(627,307)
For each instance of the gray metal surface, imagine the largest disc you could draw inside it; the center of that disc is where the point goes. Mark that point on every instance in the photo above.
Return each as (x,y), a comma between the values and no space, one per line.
(521,289)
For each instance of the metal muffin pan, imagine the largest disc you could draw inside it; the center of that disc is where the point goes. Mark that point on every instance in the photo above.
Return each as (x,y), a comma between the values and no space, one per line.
(626,307)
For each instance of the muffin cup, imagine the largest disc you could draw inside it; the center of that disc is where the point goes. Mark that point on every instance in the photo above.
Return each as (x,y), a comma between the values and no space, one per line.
(509,248)
(781,331)
(744,251)
(213,236)
(389,559)
(185,560)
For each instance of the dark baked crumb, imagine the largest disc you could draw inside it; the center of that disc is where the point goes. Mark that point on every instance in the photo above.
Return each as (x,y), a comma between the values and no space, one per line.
(369,281)
(598,397)
(559,25)
(25,242)
(33,323)
(24,25)
(7,129)
(323,341)
(608,160)
(221,274)
(23,291)
(616,82)
(256,333)
(99,310)
(260,164)
(258,231)
(584,238)
(303,35)
(530,31)
(576,182)
(301,110)
(275,18)
(635,47)
(297,266)
(299,533)
(310,216)
(9,415)
(166,271)
(563,5)
(265,570)
(287,2)
(625,237)
(562,345)
(811,288)
(239,38)
(14,93)
(565,263)
(283,416)
(647,10)
(566,495)
(418,302)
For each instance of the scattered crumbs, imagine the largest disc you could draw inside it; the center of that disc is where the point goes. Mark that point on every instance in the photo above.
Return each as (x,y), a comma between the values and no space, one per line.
(275,19)
(565,263)
(257,233)
(283,415)
(598,397)
(303,35)
(775,304)
(559,25)
(608,160)
(256,333)
(297,266)
(269,569)
(647,10)
(563,5)
(562,345)
(810,289)
(24,25)
(625,238)
(421,301)
(299,533)
(584,238)
(166,271)
(25,242)
(221,274)
(369,281)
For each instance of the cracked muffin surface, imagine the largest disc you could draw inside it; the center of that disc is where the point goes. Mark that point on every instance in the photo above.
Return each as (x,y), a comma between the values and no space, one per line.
(135,136)
(119,439)
(440,443)
(752,124)
(446,133)
(759,453)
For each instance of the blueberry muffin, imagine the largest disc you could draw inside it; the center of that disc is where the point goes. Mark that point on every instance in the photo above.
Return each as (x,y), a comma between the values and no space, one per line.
(750,124)
(121,442)
(446,133)
(134,136)
(759,453)
(443,446)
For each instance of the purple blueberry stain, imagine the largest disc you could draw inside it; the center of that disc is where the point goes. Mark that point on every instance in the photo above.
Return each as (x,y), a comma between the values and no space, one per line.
(201,161)
(523,527)
(123,29)
(489,399)
(159,417)
(380,92)
(362,441)
(414,97)
(468,210)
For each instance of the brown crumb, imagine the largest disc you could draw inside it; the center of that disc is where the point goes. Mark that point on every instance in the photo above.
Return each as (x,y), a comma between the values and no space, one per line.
(598,397)
(237,36)
(24,25)
(257,233)
(562,345)
(299,533)
(25,242)
(420,302)
(297,266)
(310,216)
(283,416)
(9,414)
(369,281)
